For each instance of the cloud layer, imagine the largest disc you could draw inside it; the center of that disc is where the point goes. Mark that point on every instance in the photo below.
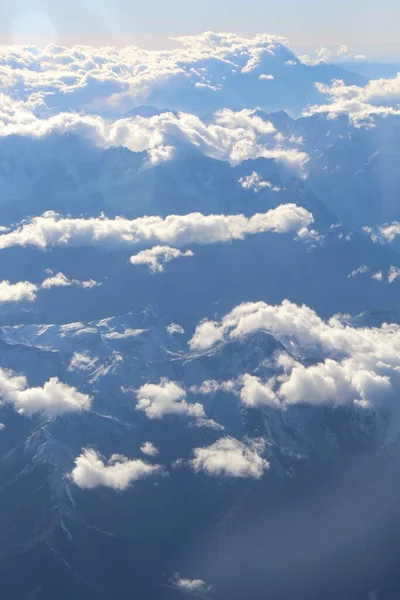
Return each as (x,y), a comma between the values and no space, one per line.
(352,365)
(111,79)
(51,229)
(378,98)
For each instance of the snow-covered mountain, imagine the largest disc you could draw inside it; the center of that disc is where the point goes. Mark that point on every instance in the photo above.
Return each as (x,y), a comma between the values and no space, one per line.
(199,324)
(72,531)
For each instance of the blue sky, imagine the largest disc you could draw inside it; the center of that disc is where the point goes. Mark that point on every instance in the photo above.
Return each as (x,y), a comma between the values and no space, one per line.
(370,27)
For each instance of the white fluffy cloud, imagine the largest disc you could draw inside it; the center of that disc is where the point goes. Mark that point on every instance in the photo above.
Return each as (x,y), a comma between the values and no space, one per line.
(166,398)
(231,135)
(336,382)
(190,585)
(384,233)
(379,97)
(256,393)
(52,399)
(17,292)
(255,183)
(25,291)
(343,53)
(155,257)
(92,471)
(175,328)
(231,458)
(353,364)
(149,449)
(61,280)
(51,229)
(103,78)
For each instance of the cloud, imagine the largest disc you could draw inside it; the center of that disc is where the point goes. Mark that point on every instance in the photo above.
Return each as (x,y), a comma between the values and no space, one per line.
(351,364)
(109,78)
(166,398)
(119,473)
(25,291)
(82,361)
(256,393)
(61,280)
(52,399)
(17,292)
(211,387)
(359,271)
(174,328)
(155,257)
(394,273)
(343,53)
(378,276)
(230,135)
(190,585)
(255,183)
(149,449)
(379,97)
(51,229)
(383,233)
(231,458)
(334,382)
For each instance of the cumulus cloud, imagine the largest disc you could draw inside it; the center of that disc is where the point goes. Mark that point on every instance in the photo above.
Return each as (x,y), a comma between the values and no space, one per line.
(52,399)
(255,183)
(174,328)
(118,473)
(155,257)
(352,364)
(384,233)
(166,398)
(255,393)
(17,292)
(61,280)
(25,291)
(336,382)
(379,97)
(107,78)
(231,458)
(51,229)
(231,135)
(343,53)
(149,449)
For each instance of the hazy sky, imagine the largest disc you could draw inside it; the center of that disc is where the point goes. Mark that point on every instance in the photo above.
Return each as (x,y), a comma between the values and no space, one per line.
(371,27)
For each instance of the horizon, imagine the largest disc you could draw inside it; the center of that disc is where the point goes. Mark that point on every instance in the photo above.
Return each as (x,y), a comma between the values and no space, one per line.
(154,25)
